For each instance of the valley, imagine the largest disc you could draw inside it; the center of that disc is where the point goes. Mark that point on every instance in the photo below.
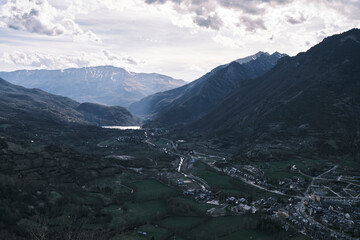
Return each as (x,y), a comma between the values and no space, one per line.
(264,147)
(118,184)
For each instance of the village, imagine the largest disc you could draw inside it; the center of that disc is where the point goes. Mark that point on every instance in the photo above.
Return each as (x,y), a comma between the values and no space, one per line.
(326,206)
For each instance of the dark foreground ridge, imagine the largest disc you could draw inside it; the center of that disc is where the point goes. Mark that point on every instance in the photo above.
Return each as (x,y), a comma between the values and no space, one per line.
(33,105)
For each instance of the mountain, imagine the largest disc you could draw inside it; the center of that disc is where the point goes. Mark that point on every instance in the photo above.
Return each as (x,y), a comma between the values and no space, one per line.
(307,104)
(34,107)
(104,85)
(194,100)
(106,116)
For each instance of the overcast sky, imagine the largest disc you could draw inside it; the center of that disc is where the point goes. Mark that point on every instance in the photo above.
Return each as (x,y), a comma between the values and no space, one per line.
(180,38)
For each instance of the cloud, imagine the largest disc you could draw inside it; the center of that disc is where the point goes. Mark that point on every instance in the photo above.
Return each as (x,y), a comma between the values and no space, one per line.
(38,16)
(249,7)
(350,8)
(296,19)
(251,24)
(209,14)
(213,22)
(38,60)
(157,30)
(124,59)
(206,12)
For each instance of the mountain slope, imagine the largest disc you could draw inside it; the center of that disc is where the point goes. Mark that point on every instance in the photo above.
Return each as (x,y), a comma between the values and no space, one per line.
(190,102)
(104,85)
(104,115)
(34,106)
(308,103)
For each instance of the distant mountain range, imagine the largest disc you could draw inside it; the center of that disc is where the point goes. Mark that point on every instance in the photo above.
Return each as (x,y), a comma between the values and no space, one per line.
(192,101)
(34,107)
(309,103)
(104,85)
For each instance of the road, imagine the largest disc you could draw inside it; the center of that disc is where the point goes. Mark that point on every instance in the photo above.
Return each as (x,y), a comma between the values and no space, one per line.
(181,167)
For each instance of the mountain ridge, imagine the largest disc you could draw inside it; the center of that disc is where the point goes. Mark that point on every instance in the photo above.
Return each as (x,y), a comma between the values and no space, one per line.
(25,105)
(189,102)
(311,98)
(107,85)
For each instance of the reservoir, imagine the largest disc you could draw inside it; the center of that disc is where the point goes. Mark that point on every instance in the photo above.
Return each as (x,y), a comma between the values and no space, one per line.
(123,127)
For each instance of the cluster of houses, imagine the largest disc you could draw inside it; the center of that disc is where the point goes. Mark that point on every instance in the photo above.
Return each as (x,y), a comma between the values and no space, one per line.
(240,205)
(341,216)
(294,184)
(200,194)
(322,219)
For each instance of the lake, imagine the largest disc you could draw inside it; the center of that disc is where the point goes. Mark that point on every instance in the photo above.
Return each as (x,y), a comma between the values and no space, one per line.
(123,127)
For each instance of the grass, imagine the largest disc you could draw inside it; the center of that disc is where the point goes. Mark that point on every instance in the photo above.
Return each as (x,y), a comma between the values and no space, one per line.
(135,213)
(125,236)
(281,169)
(146,210)
(349,161)
(54,196)
(114,183)
(246,234)
(230,186)
(152,189)
(215,179)
(222,226)
(152,231)
(201,207)
(85,198)
(181,224)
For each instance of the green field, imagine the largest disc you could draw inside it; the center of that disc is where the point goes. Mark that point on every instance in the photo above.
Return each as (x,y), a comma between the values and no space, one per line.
(114,183)
(281,169)
(156,232)
(152,189)
(135,213)
(222,226)
(181,224)
(229,186)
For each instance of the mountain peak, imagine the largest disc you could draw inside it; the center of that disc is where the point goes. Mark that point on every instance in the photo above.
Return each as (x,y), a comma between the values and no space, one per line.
(251,57)
(279,55)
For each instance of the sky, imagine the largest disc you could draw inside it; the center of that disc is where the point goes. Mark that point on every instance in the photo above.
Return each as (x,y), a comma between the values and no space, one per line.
(180,38)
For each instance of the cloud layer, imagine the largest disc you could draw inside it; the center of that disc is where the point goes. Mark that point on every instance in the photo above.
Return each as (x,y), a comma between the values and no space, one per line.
(212,14)
(182,38)
(205,13)
(38,16)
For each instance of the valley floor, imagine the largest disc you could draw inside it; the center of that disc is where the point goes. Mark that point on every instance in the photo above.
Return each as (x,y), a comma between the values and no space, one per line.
(80,182)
